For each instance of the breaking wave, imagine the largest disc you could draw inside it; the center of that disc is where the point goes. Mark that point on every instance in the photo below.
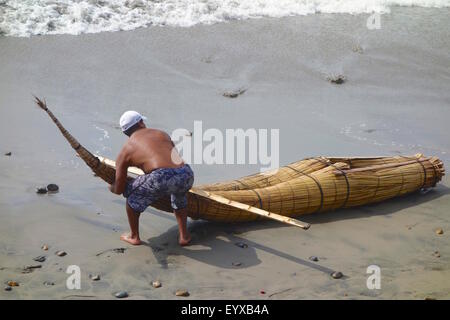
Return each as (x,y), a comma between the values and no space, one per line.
(22,18)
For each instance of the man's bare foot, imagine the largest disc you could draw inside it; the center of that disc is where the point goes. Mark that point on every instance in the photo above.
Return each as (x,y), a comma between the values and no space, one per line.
(184,241)
(127,238)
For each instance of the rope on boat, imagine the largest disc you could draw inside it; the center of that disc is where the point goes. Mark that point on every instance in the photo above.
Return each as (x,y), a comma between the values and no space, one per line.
(318,185)
(328,163)
(259,198)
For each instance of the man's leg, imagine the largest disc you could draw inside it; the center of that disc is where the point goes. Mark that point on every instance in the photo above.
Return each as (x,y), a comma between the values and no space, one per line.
(133,220)
(185,237)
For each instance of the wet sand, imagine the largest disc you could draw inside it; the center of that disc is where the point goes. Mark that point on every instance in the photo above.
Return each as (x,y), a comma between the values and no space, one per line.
(395,101)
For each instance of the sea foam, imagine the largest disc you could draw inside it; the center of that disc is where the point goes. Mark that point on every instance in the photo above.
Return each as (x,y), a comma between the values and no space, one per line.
(24,18)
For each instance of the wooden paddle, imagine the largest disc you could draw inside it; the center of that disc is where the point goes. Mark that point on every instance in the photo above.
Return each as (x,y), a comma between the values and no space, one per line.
(223,200)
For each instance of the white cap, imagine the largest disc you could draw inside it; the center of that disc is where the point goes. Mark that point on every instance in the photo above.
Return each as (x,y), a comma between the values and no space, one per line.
(129,119)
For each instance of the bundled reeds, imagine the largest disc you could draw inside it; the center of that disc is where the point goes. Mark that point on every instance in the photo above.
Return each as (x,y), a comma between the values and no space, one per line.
(307,186)
(336,186)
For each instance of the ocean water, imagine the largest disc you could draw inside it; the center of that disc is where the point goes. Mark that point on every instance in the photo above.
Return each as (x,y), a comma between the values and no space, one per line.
(23,18)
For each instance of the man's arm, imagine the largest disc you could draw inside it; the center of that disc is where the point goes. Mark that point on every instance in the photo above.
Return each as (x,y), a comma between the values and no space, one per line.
(122,164)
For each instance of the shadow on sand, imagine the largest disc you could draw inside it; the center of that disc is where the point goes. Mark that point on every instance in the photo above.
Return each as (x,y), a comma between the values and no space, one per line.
(210,239)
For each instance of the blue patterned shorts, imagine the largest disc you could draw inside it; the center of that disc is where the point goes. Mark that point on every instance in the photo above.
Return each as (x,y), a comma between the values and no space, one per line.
(144,190)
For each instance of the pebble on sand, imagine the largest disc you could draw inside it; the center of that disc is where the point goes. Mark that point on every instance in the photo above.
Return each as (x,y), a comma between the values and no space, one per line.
(156,284)
(241,245)
(13,283)
(121,294)
(41,190)
(52,187)
(8,288)
(182,293)
(40,259)
(234,93)
(8,154)
(337,275)
(44,247)
(314,258)
(60,253)
(336,79)
(30,269)
(48,283)
(95,278)
(439,231)
(437,254)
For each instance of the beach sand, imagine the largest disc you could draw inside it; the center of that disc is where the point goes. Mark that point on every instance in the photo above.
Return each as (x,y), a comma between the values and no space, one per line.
(395,101)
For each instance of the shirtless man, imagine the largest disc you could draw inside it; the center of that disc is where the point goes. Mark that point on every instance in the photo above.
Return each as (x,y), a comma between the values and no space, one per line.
(166,174)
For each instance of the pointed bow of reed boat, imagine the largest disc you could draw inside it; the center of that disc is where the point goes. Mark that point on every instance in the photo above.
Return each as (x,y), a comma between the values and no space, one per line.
(100,169)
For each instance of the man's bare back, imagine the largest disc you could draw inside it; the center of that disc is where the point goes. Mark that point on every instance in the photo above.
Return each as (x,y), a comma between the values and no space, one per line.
(150,149)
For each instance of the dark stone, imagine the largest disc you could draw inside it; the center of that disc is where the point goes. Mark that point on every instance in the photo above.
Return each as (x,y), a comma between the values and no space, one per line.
(8,154)
(41,190)
(337,275)
(52,187)
(314,258)
(241,245)
(121,294)
(48,283)
(40,258)
(8,288)
(339,79)
(236,264)
(30,269)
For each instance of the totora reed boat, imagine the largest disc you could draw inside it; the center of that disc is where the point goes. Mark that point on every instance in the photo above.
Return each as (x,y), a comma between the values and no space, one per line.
(307,186)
